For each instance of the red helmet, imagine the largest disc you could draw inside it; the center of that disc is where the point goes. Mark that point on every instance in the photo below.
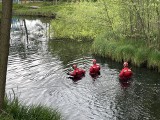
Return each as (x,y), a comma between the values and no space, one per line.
(74,66)
(125,64)
(94,61)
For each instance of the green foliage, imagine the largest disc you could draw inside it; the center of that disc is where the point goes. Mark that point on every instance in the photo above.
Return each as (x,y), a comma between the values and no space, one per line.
(19,6)
(0,6)
(154,60)
(141,56)
(124,52)
(13,110)
(45,9)
(46,4)
(79,20)
(5,116)
(135,51)
(104,47)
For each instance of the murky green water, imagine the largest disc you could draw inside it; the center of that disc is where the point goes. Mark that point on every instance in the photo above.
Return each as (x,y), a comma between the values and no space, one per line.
(37,70)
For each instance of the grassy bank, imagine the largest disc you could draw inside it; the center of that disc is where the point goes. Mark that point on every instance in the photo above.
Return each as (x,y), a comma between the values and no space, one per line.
(13,110)
(45,9)
(40,9)
(135,51)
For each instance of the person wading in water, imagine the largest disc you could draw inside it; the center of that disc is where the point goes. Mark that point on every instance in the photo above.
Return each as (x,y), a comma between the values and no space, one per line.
(126,73)
(94,70)
(77,73)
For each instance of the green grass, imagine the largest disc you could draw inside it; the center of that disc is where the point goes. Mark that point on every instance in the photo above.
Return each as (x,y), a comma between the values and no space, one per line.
(141,56)
(46,9)
(154,60)
(13,110)
(134,51)
(124,52)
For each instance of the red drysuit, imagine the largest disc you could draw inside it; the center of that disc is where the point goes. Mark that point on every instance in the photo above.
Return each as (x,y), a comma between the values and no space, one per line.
(94,70)
(125,74)
(77,73)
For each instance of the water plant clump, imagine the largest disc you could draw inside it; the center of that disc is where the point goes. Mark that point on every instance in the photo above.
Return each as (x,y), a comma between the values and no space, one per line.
(13,110)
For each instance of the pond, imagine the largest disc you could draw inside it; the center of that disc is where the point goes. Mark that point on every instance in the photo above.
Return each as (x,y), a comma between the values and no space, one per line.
(37,68)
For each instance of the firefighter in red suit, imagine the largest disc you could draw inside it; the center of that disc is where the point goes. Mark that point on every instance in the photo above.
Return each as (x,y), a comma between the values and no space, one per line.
(125,73)
(77,72)
(94,70)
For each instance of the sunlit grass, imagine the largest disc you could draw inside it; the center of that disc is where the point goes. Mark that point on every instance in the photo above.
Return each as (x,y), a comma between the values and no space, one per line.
(80,20)
(13,110)
(46,9)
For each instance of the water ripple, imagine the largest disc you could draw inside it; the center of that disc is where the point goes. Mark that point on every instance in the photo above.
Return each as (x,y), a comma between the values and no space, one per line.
(37,74)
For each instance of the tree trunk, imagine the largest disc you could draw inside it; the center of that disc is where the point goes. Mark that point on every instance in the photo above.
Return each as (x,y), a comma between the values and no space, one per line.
(140,23)
(4,45)
(148,21)
(25,26)
(131,21)
(107,13)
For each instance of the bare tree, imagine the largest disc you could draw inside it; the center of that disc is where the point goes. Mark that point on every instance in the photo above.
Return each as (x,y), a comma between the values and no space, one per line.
(4,45)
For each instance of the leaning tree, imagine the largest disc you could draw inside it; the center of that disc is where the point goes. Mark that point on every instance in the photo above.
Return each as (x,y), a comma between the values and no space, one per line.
(4,45)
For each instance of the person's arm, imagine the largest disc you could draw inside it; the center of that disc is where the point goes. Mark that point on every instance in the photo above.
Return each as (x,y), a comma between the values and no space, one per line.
(91,70)
(121,73)
(83,72)
(131,73)
(73,73)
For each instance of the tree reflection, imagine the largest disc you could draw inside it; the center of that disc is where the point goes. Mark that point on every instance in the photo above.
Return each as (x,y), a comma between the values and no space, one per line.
(26,36)
(68,50)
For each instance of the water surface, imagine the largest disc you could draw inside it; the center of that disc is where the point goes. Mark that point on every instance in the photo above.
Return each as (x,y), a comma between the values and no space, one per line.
(37,70)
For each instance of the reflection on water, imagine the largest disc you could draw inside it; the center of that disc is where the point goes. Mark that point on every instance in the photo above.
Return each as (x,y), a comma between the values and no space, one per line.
(37,70)
(70,51)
